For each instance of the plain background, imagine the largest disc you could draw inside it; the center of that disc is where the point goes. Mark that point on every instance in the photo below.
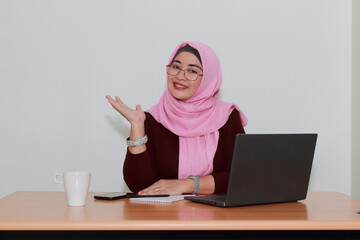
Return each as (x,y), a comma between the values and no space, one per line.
(286,64)
(355,101)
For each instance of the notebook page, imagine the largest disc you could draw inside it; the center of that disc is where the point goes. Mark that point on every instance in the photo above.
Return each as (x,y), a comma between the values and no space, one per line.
(170,199)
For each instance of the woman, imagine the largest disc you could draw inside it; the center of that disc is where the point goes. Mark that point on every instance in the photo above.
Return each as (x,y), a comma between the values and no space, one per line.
(184,144)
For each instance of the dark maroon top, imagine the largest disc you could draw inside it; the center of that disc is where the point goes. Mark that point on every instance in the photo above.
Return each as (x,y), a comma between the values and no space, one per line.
(161,158)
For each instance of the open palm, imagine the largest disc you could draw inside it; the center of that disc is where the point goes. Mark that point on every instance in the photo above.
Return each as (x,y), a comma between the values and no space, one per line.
(134,116)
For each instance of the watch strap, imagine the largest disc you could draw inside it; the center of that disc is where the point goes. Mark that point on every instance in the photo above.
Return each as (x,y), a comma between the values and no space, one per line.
(197,184)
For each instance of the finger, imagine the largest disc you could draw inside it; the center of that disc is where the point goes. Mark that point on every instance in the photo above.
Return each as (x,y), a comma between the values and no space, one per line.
(118,100)
(116,103)
(138,107)
(145,192)
(152,190)
(109,98)
(112,101)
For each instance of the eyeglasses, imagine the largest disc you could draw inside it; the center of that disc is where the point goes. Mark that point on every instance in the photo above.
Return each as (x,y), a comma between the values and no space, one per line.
(191,73)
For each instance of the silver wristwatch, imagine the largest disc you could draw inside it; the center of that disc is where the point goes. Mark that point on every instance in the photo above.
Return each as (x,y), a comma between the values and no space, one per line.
(197,184)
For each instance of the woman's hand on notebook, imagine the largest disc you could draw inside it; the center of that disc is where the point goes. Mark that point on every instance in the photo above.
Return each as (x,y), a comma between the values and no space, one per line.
(171,187)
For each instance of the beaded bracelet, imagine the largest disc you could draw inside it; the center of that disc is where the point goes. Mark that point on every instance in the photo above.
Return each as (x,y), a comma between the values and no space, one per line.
(137,142)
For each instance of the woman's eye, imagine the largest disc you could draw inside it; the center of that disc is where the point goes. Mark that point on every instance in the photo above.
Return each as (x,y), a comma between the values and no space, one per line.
(193,71)
(175,66)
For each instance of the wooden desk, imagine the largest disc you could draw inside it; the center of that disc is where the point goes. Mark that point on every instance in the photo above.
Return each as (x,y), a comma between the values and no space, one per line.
(48,211)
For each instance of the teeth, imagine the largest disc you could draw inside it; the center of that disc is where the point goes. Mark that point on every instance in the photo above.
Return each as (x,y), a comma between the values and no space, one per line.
(180,86)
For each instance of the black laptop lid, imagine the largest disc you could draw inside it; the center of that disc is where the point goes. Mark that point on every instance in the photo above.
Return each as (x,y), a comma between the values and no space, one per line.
(268,168)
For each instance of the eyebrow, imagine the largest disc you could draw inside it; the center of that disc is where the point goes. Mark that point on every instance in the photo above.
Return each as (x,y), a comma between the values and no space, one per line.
(191,65)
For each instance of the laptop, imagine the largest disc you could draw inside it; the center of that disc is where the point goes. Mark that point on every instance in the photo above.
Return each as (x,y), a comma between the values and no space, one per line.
(266,168)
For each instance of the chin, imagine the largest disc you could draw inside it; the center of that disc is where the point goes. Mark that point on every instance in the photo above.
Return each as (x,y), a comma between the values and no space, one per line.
(179,97)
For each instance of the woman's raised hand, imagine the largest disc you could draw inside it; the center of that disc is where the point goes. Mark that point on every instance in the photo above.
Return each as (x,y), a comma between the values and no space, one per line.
(134,116)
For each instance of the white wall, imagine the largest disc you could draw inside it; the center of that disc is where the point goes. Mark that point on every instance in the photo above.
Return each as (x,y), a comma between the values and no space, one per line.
(355,101)
(287,64)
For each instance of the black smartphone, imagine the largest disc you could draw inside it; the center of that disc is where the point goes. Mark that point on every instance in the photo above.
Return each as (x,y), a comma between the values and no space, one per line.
(113,195)
(119,195)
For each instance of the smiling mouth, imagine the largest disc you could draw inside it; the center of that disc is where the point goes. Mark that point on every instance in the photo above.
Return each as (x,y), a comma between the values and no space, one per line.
(179,86)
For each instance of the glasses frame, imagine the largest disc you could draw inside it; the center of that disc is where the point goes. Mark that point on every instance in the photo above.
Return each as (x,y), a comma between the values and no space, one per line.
(167,71)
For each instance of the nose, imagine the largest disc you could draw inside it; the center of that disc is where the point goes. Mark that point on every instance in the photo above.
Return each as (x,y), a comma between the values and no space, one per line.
(181,75)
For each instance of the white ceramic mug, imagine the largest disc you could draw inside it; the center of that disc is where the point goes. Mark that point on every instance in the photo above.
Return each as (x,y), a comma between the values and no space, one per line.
(76,186)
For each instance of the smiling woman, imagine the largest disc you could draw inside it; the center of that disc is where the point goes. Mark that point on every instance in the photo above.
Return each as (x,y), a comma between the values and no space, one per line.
(184,144)
(184,83)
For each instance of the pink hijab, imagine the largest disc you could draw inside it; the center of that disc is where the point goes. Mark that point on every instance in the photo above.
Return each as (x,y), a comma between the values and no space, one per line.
(197,120)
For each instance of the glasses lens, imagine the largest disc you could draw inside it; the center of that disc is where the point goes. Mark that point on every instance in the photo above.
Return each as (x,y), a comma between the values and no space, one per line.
(191,74)
(173,70)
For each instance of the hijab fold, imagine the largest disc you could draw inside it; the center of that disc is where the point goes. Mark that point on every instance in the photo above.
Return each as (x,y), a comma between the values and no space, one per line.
(197,120)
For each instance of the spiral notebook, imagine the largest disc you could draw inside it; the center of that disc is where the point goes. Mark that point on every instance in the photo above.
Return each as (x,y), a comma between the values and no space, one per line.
(170,199)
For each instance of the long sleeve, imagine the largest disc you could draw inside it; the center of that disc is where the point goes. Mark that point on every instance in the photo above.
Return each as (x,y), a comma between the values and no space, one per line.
(159,161)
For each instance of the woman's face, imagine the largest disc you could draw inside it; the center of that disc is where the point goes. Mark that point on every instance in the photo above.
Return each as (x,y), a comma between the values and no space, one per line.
(179,87)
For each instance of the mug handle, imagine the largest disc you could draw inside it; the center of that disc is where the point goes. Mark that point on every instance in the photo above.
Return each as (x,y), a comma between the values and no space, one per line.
(56,178)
